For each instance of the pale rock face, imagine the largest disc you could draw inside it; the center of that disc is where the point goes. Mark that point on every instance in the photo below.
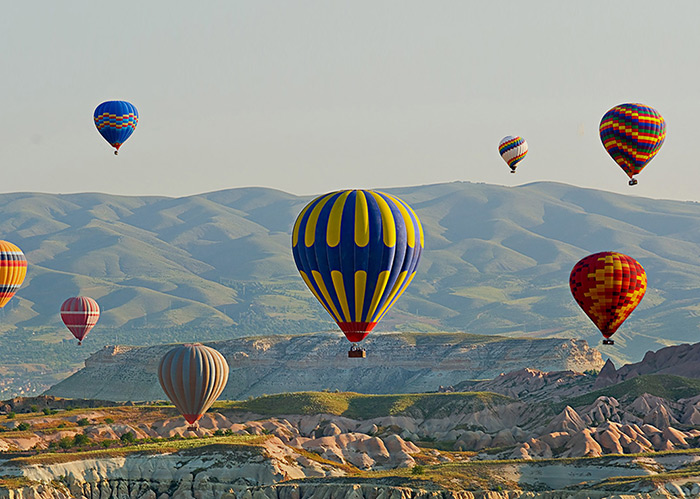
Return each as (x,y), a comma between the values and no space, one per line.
(661,417)
(296,363)
(583,444)
(533,384)
(503,438)
(556,439)
(609,440)
(568,421)
(363,451)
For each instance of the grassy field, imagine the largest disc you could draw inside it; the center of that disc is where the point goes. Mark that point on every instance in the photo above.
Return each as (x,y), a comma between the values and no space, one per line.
(247,442)
(360,406)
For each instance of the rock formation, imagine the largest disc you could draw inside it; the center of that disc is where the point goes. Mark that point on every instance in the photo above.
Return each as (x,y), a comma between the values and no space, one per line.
(396,363)
(681,360)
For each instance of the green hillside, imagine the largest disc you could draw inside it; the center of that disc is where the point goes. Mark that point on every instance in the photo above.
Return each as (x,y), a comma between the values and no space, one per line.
(360,406)
(219,265)
(665,386)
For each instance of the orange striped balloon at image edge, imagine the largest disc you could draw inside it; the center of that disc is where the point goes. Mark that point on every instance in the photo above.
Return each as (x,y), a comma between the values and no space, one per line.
(13,270)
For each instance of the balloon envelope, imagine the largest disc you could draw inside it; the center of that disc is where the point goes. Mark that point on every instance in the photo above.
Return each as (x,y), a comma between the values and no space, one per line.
(608,286)
(80,314)
(13,269)
(512,150)
(357,251)
(116,121)
(632,134)
(193,376)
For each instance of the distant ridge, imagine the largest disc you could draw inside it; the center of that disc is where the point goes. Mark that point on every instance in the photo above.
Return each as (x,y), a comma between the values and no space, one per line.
(396,363)
(217,266)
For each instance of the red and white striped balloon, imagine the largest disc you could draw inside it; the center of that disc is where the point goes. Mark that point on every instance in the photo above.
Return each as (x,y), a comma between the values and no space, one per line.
(80,314)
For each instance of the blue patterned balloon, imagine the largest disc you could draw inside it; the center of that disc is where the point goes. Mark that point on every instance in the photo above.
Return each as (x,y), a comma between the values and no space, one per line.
(116,120)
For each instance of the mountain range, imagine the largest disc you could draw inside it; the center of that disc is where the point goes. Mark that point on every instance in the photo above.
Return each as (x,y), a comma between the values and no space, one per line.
(217,266)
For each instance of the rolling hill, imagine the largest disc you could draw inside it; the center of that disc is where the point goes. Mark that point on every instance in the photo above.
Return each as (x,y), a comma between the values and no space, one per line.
(218,265)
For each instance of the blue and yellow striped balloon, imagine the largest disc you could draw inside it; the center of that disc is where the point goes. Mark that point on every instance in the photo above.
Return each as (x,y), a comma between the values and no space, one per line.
(357,251)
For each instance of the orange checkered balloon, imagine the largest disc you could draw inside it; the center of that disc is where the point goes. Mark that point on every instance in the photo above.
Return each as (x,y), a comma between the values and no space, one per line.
(608,286)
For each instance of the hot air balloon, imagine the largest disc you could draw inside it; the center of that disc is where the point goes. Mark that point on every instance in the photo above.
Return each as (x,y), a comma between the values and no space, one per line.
(80,314)
(13,269)
(608,286)
(632,134)
(512,150)
(116,120)
(357,251)
(193,376)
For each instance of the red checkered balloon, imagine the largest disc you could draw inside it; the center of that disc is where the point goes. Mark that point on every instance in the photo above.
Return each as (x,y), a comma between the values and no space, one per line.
(608,286)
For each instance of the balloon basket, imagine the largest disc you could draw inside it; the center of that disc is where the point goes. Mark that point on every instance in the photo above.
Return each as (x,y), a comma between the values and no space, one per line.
(80,343)
(608,342)
(357,352)
(512,170)
(116,153)
(633,181)
(192,428)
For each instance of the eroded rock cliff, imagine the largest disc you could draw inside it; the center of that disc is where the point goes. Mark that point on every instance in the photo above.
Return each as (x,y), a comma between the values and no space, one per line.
(396,363)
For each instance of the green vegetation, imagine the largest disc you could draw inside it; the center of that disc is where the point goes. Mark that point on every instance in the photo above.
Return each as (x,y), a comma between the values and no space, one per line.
(666,386)
(360,406)
(250,442)
(128,437)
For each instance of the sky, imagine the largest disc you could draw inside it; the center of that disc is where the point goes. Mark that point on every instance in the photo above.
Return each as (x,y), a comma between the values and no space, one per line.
(313,96)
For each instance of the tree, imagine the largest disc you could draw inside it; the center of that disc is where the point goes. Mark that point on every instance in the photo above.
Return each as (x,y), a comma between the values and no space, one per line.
(80,439)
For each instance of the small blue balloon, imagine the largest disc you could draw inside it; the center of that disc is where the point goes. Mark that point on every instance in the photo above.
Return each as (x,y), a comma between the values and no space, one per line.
(116,120)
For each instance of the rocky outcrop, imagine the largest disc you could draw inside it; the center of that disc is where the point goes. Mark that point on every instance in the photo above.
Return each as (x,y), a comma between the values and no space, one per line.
(338,491)
(681,360)
(605,427)
(396,363)
(533,384)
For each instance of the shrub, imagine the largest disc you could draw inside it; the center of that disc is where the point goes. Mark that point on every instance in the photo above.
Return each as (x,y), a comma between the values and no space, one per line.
(109,421)
(23,426)
(11,415)
(218,433)
(417,470)
(128,437)
(65,443)
(107,443)
(83,422)
(80,439)
(34,408)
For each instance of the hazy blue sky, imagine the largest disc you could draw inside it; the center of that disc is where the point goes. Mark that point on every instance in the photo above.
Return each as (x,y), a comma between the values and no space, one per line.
(311,96)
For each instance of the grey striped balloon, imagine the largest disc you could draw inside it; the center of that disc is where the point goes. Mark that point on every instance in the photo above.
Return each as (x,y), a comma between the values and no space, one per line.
(193,376)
